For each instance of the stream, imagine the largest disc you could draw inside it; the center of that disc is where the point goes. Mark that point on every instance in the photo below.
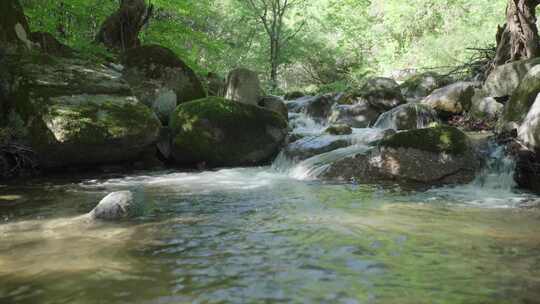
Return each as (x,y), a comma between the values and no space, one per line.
(271,234)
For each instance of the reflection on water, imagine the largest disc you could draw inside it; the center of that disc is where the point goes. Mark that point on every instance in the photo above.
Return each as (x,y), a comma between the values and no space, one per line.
(254,235)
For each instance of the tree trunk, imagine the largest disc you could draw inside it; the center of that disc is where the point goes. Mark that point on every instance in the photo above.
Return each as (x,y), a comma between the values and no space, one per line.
(518,38)
(121,30)
(274,62)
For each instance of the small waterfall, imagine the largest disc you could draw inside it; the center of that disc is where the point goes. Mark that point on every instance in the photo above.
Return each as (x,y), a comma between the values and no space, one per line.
(301,123)
(312,168)
(498,172)
(494,187)
(423,115)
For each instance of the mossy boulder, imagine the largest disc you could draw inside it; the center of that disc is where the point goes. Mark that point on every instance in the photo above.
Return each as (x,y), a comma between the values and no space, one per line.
(422,157)
(505,79)
(381,97)
(380,83)
(153,69)
(79,113)
(523,98)
(440,139)
(421,85)
(219,132)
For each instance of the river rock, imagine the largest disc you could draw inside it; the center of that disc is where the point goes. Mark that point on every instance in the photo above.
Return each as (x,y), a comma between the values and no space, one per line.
(153,70)
(221,132)
(523,98)
(316,107)
(406,117)
(78,113)
(382,97)
(243,86)
(419,86)
(358,115)
(276,104)
(452,99)
(116,206)
(431,156)
(505,79)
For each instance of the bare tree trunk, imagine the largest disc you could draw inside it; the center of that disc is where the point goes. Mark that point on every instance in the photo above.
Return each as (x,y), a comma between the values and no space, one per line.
(274,62)
(121,30)
(518,38)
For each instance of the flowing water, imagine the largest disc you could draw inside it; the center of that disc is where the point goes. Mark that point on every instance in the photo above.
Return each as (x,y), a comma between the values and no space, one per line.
(262,235)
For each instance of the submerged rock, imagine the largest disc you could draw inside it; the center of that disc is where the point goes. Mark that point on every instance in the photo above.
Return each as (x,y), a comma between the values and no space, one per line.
(406,117)
(243,86)
(153,71)
(220,132)
(432,156)
(505,79)
(452,99)
(419,86)
(117,206)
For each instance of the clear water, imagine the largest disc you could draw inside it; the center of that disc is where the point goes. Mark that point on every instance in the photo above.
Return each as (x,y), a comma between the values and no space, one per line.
(259,236)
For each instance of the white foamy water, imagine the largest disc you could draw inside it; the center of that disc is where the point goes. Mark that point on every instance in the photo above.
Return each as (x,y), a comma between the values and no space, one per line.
(237,179)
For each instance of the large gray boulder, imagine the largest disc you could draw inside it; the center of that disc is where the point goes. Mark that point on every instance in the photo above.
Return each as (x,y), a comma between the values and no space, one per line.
(423,157)
(78,113)
(220,132)
(154,73)
(505,79)
(118,205)
(243,86)
(452,99)
(381,95)
(522,99)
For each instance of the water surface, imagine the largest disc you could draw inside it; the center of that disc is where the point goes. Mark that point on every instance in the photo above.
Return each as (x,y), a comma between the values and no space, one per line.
(259,236)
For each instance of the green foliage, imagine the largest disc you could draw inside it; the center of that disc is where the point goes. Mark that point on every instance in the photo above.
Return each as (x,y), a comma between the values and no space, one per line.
(335,43)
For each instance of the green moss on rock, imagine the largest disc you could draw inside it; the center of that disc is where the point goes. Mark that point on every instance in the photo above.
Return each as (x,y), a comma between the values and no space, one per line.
(523,97)
(440,139)
(221,132)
